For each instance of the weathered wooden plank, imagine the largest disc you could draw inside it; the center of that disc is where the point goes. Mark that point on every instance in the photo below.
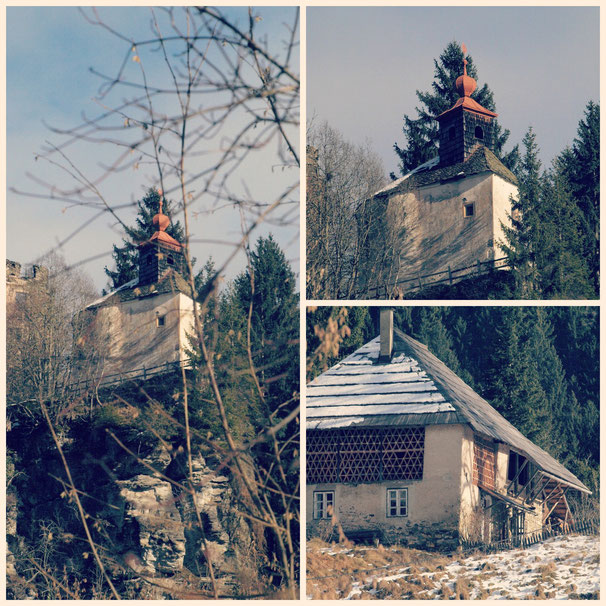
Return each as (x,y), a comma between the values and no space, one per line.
(396,398)
(369,378)
(372,388)
(378,409)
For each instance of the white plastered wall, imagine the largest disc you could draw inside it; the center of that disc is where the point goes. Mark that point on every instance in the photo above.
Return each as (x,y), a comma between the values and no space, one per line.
(502,193)
(134,339)
(434,499)
(186,324)
(438,234)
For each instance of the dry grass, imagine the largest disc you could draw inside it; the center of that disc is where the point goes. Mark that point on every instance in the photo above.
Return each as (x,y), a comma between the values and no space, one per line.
(421,575)
(462,589)
(547,572)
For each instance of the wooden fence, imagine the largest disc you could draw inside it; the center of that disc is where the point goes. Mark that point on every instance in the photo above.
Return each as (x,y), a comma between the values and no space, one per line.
(393,290)
(585,527)
(142,373)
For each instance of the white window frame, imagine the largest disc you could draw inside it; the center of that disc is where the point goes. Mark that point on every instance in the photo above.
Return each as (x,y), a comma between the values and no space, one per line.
(323,499)
(400,508)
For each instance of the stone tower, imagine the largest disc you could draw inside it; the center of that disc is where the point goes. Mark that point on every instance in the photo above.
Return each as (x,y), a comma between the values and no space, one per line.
(142,328)
(442,221)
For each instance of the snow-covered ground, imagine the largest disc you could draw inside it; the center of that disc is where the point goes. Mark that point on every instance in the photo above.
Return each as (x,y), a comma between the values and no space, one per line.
(565,567)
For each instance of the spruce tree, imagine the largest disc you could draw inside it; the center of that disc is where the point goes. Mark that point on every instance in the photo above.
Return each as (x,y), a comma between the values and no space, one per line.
(265,291)
(421,133)
(434,334)
(515,388)
(126,256)
(521,237)
(581,166)
(562,265)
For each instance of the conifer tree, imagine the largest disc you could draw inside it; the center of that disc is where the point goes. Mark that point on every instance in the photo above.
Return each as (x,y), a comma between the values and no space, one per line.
(520,245)
(581,166)
(434,334)
(562,265)
(515,388)
(126,256)
(421,133)
(564,407)
(266,293)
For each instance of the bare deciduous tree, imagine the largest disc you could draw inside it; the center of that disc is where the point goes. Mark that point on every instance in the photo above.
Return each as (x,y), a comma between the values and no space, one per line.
(340,177)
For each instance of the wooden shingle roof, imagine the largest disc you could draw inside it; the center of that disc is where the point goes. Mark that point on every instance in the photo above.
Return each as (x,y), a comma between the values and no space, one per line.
(481,160)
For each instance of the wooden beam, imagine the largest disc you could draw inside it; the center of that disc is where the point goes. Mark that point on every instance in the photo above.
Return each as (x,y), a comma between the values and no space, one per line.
(517,474)
(535,493)
(557,503)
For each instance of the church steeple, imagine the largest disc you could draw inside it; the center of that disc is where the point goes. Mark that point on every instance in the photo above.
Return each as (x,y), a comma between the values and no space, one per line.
(466,124)
(161,253)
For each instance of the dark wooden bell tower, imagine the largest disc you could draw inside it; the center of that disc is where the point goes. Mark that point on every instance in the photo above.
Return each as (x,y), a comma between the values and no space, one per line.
(160,254)
(466,125)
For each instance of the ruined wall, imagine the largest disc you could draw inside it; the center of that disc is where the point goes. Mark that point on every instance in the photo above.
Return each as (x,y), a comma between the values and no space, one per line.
(433,502)
(21,284)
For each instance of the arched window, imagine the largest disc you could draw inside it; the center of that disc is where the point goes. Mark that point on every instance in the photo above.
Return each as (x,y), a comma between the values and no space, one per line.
(479,132)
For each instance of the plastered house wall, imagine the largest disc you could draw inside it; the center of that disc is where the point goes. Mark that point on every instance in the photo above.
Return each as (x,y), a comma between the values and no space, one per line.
(430,231)
(434,500)
(471,513)
(502,194)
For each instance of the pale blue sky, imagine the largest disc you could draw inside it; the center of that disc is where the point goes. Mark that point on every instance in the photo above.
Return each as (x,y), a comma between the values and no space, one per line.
(365,64)
(50,51)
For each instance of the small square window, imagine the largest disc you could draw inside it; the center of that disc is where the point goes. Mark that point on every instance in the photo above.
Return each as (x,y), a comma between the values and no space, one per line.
(160,320)
(397,502)
(324,503)
(469,210)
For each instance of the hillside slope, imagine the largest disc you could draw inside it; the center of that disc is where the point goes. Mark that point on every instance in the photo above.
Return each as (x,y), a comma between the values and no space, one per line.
(565,567)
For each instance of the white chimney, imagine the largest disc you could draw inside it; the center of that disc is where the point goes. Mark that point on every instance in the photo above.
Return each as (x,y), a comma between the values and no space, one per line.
(386,328)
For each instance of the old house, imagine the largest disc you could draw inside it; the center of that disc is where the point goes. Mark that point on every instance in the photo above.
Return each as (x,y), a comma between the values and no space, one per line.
(400,447)
(142,328)
(446,215)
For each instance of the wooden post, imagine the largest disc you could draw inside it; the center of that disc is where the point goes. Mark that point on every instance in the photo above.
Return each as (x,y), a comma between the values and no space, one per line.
(449,276)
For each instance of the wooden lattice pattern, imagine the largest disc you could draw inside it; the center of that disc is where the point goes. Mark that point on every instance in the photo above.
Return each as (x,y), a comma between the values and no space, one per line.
(484,463)
(364,455)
